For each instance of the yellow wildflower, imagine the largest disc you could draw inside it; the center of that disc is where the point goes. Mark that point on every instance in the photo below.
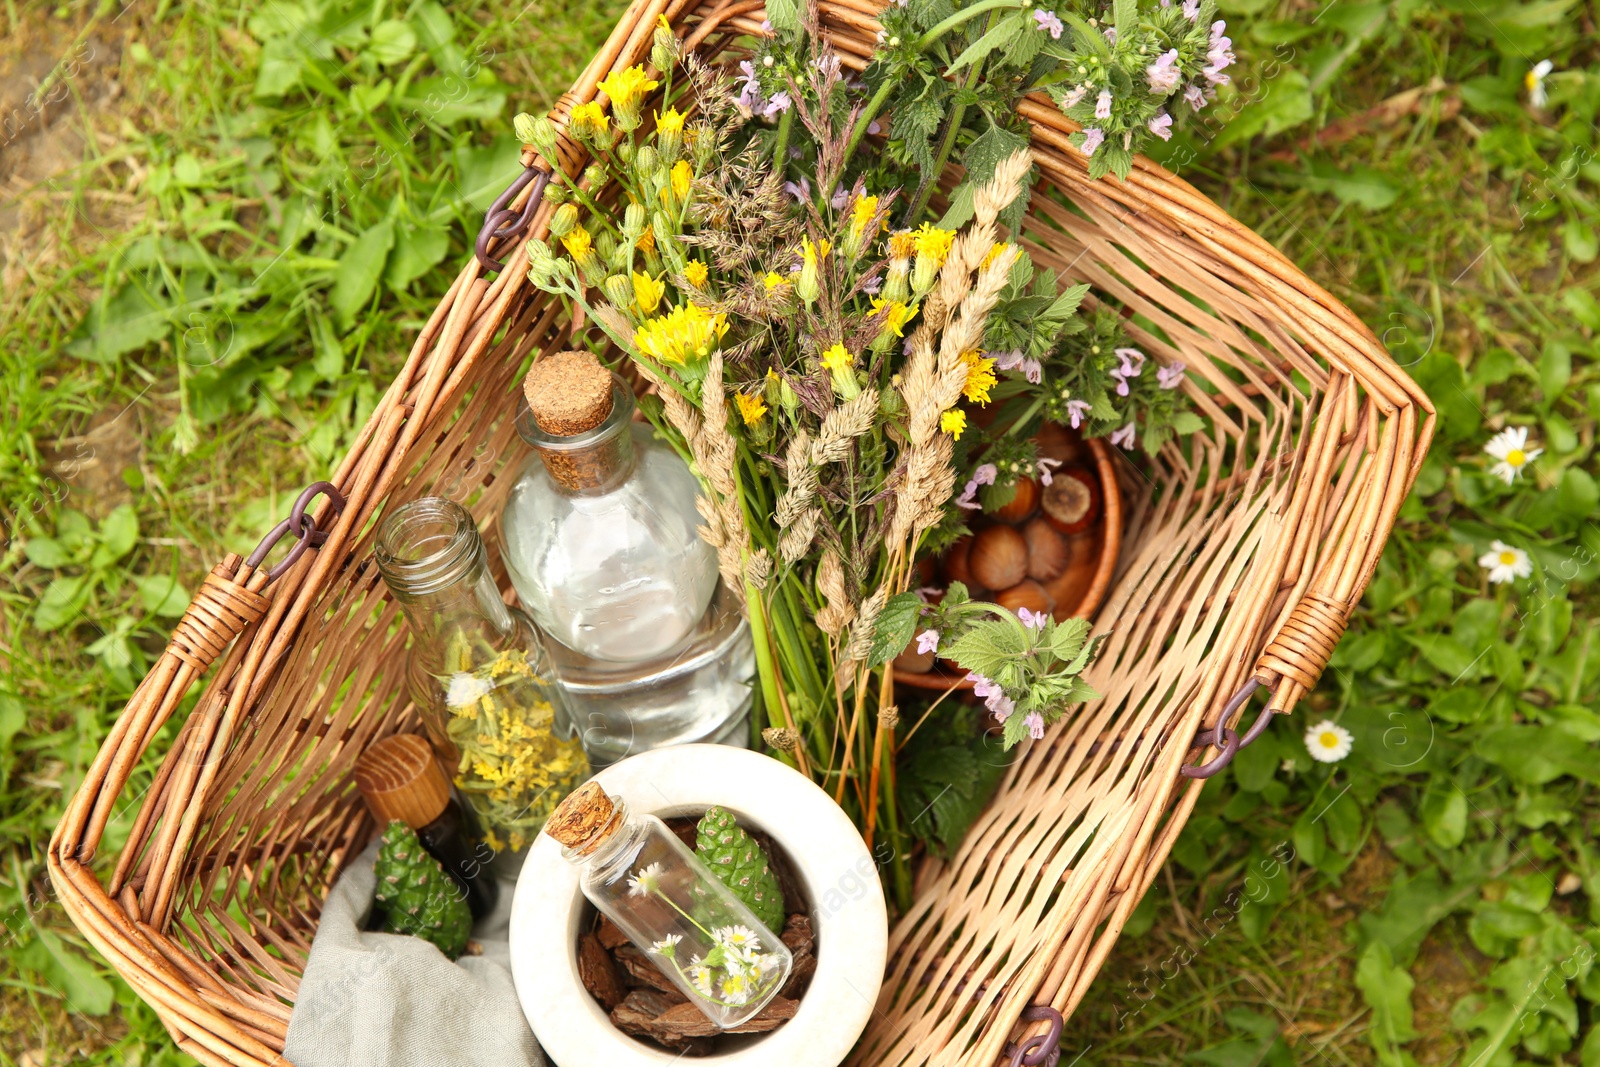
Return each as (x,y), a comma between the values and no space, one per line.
(625,88)
(902,244)
(648,291)
(838,358)
(861,214)
(933,243)
(669,121)
(751,407)
(696,274)
(685,333)
(773,280)
(578,245)
(953,422)
(980,377)
(647,241)
(810,284)
(898,315)
(589,120)
(839,363)
(994,253)
(682,179)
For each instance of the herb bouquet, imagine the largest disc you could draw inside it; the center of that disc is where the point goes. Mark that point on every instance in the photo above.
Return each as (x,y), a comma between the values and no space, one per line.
(764,248)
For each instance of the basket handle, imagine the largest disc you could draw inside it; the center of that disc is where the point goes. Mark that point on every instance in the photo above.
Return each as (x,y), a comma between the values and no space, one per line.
(501,223)
(1224,737)
(1040,1049)
(302,524)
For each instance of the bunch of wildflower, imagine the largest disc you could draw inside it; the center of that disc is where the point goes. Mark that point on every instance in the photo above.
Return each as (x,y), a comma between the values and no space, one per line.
(1124,87)
(1099,382)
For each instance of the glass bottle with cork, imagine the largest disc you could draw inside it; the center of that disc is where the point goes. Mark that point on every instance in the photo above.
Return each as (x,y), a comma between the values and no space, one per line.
(400,778)
(642,877)
(601,539)
(479,676)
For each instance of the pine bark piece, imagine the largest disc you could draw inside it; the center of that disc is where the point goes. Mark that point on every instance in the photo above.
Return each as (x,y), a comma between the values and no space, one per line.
(686,1021)
(638,1011)
(642,970)
(610,934)
(598,972)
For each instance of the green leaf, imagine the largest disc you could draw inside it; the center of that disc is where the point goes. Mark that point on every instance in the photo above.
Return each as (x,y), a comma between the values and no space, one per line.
(163,595)
(392,42)
(1581,241)
(1449,656)
(893,629)
(126,322)
(1066,305)
(998,37)
(989,149)
(1577,495)
(1387,990)
(417,249)
(961,207)
(784,16)
(60,604)
(1444,815)
(1555,369)
(1534,755)
(46,552)
(1283,104)
(119,531)
(359,270)
(1361,186)
(77,979)
(282,68)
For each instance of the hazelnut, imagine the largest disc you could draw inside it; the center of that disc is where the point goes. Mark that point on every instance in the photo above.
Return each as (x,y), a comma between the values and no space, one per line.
(1071,501)
(999,557)
(1026,594)
(913,662)
(1022,504)
(955,562)
(1047,551)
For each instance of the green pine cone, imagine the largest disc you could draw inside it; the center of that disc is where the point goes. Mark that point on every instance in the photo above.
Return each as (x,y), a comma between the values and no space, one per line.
(722,844)
(417,896)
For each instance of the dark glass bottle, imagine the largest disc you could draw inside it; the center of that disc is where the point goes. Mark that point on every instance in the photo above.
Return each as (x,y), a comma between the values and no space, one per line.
(400,778)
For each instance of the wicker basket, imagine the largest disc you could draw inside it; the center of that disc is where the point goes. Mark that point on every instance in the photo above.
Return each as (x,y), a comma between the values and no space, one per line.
(1244,552)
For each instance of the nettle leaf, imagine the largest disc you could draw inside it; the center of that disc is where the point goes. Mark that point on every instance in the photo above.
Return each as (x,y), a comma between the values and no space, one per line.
(916,121)
(1001,35)
(896,623)
(989,148)
(989,648)
(1069,638)
(784,16)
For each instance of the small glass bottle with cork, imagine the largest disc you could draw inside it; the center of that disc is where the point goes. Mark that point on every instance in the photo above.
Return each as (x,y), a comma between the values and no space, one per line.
(642,877)
(400,779)
(478,675)
(602,541)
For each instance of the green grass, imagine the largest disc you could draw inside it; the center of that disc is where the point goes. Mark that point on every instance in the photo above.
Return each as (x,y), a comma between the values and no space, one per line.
(214,253)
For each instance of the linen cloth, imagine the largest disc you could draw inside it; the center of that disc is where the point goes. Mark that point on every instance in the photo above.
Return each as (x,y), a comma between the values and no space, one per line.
(384,1000)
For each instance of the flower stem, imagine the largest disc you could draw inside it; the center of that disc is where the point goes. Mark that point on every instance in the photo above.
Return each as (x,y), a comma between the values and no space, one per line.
(781,152)
(966,14)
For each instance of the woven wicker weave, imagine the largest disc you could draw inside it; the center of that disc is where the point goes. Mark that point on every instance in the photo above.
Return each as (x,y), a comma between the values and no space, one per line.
(1244,552)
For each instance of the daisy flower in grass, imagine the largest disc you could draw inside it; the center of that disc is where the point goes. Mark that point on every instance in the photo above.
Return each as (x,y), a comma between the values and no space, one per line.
(1328,742)
(1534,82)
(1510,448)
(1505,563)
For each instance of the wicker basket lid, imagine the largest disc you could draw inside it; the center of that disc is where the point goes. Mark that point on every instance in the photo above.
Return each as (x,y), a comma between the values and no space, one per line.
(400,779)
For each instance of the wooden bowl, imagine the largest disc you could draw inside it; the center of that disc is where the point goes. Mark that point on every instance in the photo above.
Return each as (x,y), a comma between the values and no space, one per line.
(1082,588)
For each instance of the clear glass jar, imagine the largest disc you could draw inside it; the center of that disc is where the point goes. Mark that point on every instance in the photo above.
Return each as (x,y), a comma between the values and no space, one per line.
(478,674)
(642,877)
(601,539)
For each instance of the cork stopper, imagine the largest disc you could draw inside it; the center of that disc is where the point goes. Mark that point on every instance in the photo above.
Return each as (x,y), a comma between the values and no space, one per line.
(399,779)
(568,393)
(583,820)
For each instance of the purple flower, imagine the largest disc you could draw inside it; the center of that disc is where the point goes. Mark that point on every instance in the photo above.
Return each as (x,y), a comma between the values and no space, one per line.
(1035,723)
(828,67)
(985,474)
(777,105)
(968,497)
(766,25)
(1049,23)
(1002,707)
(872,285)
(841,197)
(1170,376)
(1121,380)
(1011,360)
(1076,94)
(1123,438)
(982,687)
(1132,361)
(1219,54)
(1092,139)
(1195,97)
(873,128)
(1111,35)
(927,592)
(1161,126)
(927,641)
(1191,10)
(801,192)
(1077,411)
(1102,104)
(1047,467)
(1034,620)
(1162,75)
(750,92)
